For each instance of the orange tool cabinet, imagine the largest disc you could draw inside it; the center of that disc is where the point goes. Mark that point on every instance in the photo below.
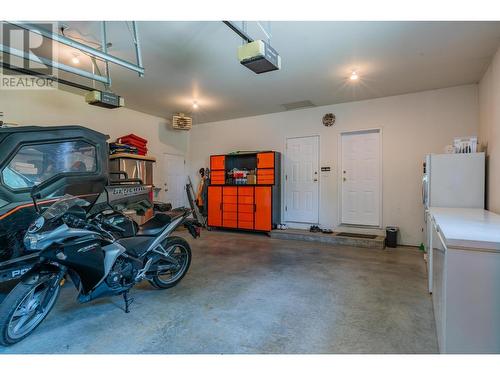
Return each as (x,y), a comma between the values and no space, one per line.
(255,207)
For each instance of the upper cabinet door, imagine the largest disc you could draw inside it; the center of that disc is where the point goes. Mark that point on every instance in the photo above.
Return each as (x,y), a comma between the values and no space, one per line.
(217,162)
(265,160)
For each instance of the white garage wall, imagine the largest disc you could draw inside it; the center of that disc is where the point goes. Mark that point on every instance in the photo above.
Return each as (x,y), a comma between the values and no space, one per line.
(413,125)
(489,129)
(57,107)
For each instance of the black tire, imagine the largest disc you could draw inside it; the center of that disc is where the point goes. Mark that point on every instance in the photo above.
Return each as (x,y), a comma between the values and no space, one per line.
(182,245)
(15,299)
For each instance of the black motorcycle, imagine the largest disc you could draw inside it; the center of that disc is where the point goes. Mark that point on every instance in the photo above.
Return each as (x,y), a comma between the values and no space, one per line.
(98,262)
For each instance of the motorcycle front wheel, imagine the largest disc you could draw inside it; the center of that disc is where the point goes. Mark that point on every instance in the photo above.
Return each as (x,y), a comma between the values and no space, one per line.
(22,311)
(174,268)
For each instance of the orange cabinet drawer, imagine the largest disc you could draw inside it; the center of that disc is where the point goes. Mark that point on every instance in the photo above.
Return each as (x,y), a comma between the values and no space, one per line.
(226,215)
(229,207)
(245,199)
(246,208)
(218,177)
(265,160)
(245,216)
(247,191)
(265,172)
(218,174)
(230,190)
(245,224)
(217,162)
(233,199)
(230,223)
(265,176)
(265,181)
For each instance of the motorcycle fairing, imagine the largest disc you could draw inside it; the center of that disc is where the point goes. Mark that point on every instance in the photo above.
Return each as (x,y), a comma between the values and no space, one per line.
(84,258)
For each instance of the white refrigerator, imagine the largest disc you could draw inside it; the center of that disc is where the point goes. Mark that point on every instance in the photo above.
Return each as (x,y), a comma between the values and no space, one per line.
(451,180)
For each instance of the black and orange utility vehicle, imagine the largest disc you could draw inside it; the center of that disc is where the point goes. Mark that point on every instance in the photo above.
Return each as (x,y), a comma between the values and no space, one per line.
(49,162)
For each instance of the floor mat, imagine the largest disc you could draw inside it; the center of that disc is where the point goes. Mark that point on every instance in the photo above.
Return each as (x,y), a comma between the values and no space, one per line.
(357,235)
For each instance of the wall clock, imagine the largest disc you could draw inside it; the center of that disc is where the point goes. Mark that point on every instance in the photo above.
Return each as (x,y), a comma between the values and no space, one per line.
(329,119)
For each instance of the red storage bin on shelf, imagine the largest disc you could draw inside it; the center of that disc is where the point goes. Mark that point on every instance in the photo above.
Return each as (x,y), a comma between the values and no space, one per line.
(136,141)
(142,151)
(132,137)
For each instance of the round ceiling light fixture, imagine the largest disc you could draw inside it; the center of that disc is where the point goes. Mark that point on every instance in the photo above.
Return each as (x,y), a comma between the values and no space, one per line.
(354,76)
(75,60)
(195,105)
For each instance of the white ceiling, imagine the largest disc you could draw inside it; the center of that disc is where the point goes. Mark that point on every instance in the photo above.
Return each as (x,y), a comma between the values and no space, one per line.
(188,61)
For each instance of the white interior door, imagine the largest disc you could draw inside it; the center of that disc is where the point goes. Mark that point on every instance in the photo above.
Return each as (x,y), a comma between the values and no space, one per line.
(302,179)
(174,187)
(360,178)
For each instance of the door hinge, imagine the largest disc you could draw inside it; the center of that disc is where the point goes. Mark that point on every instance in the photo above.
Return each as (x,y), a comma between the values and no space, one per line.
(286,177)
(286,208)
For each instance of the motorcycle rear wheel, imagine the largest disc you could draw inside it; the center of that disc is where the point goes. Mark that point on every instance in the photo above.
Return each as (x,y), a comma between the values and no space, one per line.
(181,251)
(19,312)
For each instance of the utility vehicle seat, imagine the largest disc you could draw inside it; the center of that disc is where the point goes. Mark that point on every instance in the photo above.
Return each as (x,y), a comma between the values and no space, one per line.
(157,223)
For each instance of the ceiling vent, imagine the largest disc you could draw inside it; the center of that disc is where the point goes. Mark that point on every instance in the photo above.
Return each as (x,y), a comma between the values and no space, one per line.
(182,122)
(298,105)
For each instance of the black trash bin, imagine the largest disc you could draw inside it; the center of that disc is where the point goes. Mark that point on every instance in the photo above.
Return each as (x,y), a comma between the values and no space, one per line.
(391,236)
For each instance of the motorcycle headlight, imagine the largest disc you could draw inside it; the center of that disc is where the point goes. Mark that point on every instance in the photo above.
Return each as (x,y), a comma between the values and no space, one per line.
(37,225)
(31,241)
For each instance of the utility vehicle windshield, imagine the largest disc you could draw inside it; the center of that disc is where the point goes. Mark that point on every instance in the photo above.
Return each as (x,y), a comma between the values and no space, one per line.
(36,163)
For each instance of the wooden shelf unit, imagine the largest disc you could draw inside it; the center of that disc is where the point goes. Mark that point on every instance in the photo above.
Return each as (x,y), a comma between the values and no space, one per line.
(255,207)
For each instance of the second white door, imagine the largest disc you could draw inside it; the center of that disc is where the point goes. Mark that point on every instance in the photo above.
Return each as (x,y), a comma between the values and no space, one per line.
(360,178)
(175,181)
(302,179)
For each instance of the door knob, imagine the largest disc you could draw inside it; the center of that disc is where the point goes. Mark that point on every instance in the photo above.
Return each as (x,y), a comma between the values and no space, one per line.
(315,180)
(345,179)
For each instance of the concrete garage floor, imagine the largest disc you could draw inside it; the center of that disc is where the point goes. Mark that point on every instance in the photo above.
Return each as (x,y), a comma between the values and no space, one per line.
(247,293)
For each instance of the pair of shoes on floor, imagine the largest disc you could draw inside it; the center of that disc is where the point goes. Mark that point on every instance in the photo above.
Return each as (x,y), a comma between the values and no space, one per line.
(282,226)
(316,229)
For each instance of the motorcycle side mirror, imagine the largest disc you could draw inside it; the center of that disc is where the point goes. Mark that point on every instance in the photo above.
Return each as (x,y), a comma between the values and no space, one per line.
(35,194)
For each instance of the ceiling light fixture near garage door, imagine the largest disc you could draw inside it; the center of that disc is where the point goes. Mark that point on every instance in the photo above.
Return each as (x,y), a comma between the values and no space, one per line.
(75,60)
(354,76)
(195,105)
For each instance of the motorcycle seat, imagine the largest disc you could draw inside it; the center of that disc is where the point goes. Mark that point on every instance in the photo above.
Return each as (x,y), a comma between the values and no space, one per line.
(157,223)
(136,246)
